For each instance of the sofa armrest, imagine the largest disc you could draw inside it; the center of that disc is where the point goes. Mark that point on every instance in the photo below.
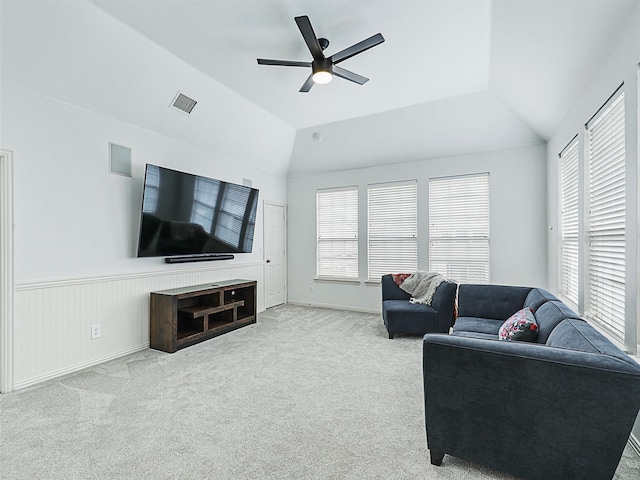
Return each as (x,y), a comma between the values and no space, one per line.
(486,398)
(443,302)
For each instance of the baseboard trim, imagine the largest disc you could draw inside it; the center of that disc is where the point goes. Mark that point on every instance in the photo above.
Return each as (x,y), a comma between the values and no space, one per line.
(77,367)
(348,308)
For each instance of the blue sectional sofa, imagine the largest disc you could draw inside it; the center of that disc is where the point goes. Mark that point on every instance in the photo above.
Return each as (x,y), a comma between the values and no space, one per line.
(401,316)
(561,406)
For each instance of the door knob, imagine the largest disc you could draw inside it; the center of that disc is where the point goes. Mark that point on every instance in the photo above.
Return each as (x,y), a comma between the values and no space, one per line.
(268,261)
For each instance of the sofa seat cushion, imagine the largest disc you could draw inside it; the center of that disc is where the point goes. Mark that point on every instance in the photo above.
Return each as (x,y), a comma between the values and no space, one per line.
(477,325)
(406,308)
(484,336)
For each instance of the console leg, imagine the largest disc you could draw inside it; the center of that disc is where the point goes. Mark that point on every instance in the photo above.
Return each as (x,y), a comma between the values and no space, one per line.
(436,457)
(391,335)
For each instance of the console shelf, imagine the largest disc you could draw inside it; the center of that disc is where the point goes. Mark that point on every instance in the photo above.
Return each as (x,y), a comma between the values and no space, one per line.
(184,316)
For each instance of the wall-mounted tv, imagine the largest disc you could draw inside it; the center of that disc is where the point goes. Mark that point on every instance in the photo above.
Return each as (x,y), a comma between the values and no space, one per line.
(186,214)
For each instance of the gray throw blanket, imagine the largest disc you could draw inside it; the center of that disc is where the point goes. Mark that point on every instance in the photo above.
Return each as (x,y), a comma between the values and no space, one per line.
(422,285)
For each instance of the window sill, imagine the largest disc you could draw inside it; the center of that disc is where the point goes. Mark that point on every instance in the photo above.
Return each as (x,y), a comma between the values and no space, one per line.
(337,280)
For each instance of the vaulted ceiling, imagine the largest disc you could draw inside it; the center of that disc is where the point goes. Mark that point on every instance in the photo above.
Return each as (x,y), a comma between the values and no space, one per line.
(452,77)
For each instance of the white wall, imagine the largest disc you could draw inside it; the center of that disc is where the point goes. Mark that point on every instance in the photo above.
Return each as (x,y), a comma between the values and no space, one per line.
(75,52)
(621,66)
(76,226)
(518,221)
(73,217)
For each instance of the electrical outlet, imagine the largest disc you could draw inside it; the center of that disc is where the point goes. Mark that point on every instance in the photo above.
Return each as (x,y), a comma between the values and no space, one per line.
(310,288)
(95,331)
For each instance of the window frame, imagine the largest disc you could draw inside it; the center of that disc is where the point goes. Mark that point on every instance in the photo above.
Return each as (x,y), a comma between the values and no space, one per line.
(446,197)
(339,239)
(570,243)
(605,299)
(392,225)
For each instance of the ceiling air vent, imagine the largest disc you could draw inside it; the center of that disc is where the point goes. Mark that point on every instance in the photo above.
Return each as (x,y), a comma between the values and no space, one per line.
(183,103)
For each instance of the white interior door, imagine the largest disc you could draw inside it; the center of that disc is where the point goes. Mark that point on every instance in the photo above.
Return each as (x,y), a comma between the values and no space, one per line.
(274,254)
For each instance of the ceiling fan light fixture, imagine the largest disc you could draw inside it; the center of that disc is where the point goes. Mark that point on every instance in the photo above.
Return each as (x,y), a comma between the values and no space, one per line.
(322,77)
(322,67)
(322,70)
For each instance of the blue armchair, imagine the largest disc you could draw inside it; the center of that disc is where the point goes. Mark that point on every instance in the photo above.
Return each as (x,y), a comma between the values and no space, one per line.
(401,316)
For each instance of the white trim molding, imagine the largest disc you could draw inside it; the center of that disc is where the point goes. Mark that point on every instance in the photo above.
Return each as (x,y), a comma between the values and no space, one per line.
(54,318)
(6,271)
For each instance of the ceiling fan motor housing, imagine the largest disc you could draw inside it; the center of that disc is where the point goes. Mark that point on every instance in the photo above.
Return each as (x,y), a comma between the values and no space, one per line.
(322,65)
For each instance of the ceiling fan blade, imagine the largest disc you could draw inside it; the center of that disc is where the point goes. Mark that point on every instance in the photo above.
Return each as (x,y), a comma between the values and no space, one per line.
(304,24)
(284,63)
(306,86)
(348,75)
(359,47)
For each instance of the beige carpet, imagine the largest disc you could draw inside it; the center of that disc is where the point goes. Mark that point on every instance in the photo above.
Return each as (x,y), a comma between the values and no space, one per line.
(305,393)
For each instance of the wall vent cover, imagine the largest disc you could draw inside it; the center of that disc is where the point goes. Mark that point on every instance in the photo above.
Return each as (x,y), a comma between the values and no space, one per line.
(183,103)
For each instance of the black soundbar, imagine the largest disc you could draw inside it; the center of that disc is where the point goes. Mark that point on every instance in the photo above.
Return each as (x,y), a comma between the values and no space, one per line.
(200,258)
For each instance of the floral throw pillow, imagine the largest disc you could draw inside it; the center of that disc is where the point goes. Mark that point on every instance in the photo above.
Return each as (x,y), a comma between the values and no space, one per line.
(520,326)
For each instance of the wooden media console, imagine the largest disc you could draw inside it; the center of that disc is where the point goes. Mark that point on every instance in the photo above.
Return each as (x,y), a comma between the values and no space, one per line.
(184,316)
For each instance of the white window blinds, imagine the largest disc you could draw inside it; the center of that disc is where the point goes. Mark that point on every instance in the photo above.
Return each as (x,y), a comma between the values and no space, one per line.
(393,228)
(151,186)
(232,213)
(569,222)
(459,227)
(606,225)
(204,205)
(337,233)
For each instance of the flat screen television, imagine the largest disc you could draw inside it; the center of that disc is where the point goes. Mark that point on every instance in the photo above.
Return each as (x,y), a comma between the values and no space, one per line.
(186,214)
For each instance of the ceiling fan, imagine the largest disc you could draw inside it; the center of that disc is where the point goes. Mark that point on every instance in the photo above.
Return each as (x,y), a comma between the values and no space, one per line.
(324,68)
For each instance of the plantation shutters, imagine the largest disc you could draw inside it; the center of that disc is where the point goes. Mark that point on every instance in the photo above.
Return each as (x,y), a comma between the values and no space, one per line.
(393,228)
(569,222)
(606,225)
(459,227)
(337,233)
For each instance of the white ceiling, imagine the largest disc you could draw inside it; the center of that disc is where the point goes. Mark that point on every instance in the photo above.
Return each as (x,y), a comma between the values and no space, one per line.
(452,77)
(524,50)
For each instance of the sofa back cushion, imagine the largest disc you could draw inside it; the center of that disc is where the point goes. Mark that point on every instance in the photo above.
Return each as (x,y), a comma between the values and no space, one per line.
(536,297)
(579,335)
(496,302)
(391,291)
(549,315)
(570,334)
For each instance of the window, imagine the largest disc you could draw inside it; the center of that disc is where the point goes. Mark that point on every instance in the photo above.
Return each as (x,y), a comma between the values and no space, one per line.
(205,200)
(337,233)
(235,201)
(569,222)
(151,186)
(459,227)
(605,295)
(393,228)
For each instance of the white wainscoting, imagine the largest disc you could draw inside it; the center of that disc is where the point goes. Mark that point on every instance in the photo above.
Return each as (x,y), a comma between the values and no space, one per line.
(52,320)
